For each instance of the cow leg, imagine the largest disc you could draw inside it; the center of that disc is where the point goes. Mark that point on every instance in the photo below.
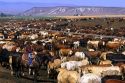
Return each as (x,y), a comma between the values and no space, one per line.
(30,71)
(18,74)
(1,63)
(22,70)
(10,64)
(48,71)
(35,75)
(12,72)
(90,60)
(23,74)
(98,61)
(11,68)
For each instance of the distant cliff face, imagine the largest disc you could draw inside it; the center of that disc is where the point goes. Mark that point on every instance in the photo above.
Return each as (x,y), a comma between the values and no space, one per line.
(19,7)
(70,11)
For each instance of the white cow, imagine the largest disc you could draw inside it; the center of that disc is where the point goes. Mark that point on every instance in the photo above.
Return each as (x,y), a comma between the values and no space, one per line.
(103,70)
(43,33)
(90,78)
(76,44)
(33,36)
(92,43)
(80,55)
(34,42)
(73,65)
(23,36)
(2,42)
(123,52)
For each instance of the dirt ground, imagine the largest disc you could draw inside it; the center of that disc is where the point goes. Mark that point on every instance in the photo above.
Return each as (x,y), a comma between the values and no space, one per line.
(5,77)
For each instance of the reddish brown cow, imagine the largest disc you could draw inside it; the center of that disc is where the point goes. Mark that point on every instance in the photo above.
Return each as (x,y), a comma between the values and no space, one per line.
(113,45)
(114,81)
(93,53)
(61,46)
(65,52)
(93,57)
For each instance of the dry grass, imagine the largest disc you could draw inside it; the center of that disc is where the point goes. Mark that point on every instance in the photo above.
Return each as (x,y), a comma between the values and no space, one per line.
(96,16)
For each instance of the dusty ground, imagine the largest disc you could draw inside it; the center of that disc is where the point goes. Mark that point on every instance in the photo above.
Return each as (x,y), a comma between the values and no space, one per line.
(5,77)
(96,16)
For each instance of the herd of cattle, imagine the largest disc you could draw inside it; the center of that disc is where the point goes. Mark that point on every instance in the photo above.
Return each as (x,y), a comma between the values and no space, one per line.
(67,57)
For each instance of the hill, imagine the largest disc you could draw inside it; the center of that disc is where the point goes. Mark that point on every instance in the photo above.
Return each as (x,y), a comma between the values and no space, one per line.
(73,11)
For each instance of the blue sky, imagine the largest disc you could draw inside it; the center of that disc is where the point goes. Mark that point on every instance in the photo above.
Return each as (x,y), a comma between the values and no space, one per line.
(109,3)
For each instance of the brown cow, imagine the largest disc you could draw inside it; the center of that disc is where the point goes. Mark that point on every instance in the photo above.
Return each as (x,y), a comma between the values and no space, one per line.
(114,81)
(66,76)
(52,66)
(65,52)
(113,45)
(93,56)
(93,53)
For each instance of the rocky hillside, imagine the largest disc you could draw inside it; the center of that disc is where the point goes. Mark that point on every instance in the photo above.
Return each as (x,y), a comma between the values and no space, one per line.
(70,11)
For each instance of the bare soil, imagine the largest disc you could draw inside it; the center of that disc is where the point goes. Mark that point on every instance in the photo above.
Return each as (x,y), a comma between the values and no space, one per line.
(5,77)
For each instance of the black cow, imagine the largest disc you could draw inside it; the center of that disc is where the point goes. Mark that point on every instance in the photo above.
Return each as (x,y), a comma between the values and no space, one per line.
(115,57)
(4,57)
(15,63)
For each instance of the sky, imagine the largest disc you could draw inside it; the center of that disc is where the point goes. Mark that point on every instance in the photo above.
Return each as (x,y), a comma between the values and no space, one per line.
(107,3)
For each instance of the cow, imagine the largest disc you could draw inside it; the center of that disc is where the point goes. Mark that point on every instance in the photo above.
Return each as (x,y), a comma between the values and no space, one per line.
(105,62)
(33,66)
(4,57)
(80,55)
(66,76)
(95,44)
(15,64)
(90,78)
(123,52)
(10,46)
(93,56)
(114,81)
(115,46)
(43,33)
(111,77)
(103,55)
(76,44)
(103,70)
(115,57)
(92,44)
(52,66)
(65,53)
(73,65)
